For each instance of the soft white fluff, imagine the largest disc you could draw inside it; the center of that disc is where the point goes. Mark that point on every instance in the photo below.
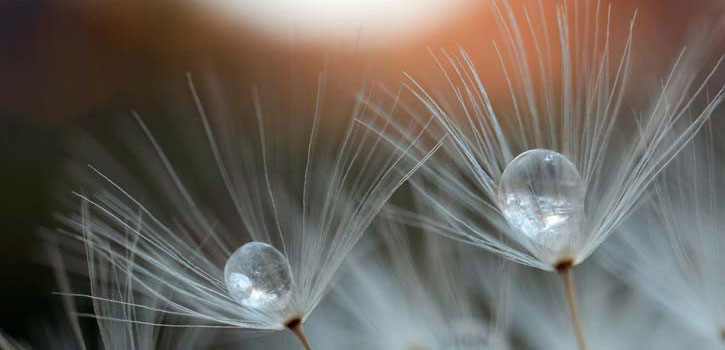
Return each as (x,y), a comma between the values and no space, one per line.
(415,292)
(672,249)
(612,315)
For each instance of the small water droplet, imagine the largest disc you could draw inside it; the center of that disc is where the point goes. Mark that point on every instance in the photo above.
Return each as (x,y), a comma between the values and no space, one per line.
(541,195)
(258,276)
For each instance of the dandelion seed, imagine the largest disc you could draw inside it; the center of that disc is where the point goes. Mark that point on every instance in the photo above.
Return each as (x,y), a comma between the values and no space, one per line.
(512,206)
(260,263)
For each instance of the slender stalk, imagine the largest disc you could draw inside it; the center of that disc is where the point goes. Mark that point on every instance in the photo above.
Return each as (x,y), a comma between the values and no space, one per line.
(295,326)
(568,280)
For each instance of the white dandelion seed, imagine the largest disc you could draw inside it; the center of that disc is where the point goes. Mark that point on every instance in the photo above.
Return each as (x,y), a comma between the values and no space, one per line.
(187,255)
(672,249)
(536,178)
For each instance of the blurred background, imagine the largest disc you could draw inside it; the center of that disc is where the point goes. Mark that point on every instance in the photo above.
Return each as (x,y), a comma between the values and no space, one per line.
(74,64)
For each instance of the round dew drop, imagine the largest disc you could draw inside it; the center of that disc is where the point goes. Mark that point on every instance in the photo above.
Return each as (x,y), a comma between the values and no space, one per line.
(541,195)
(258,276)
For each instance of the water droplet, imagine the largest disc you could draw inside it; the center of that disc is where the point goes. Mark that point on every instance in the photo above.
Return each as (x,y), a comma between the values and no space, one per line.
(541,195)
(258,276)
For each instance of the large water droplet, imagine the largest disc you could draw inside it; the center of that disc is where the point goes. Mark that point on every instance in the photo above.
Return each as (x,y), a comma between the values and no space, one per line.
(541,195)
(258,276)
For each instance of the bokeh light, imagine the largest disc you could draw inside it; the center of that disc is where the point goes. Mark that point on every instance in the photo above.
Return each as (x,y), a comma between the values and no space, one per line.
(366,22)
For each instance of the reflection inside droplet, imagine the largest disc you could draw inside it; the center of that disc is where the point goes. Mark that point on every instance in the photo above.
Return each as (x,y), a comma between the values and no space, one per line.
(541,195)
(258,276)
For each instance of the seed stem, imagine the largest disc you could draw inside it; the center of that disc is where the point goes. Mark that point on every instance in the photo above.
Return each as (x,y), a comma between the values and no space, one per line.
(567,279)
(295,326)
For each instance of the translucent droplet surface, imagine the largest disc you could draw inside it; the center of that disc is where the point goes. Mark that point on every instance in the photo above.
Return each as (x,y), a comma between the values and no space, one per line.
(541,194)
(258,276)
